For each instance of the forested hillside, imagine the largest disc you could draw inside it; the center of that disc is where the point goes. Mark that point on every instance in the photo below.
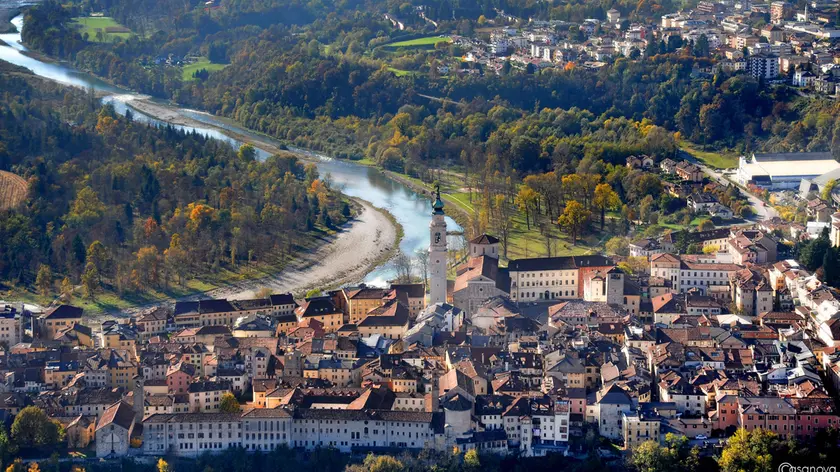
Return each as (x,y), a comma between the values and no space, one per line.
(328,85)
(330,78)
(120,206)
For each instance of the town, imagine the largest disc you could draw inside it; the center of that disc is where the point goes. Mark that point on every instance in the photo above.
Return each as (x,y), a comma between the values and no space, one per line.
(509,360)
(423,235)
(773,41)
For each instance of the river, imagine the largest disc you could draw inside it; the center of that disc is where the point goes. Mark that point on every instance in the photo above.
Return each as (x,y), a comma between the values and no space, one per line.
(410,209)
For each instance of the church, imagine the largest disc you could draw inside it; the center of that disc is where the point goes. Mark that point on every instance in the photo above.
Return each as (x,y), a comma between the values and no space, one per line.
(477,280)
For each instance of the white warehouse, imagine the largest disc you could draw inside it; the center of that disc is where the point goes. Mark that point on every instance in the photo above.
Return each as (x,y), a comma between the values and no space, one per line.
(784,170)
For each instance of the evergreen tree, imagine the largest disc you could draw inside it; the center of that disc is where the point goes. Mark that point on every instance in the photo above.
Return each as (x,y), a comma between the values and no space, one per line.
(831,272)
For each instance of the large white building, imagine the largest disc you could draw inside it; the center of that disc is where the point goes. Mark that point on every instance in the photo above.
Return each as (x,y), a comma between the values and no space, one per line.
(553,278)
(785,170)
(190,434)
(693,272)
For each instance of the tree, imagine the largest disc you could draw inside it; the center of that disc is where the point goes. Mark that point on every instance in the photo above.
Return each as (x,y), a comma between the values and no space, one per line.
(502,221)
(148,265)
(646,209)
(44,280)
(701,47)
(90,280)
(79,250)
(229,404)
(472,462)
(98,255)
(652,457)
(163,466)
(831,272)
(526,200)
(573,219)
(605,199)
(402,263)
(16,466)
(618,246)
(422,258)
(246,153)
(749,451)
(87,208)
(694,248)
(705,225)
(67,289)
(176,259)
(828,189)
(710,249)
(7,447)
(373,463)
(33,428)
(674,455)
(812,253)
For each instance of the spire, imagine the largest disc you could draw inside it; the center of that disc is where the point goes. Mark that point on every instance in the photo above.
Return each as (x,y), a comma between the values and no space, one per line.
(437,206)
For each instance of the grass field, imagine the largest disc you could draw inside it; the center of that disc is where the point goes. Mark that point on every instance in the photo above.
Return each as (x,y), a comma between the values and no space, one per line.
(718,160)
(400,72)
(13,190)
(109,28)
(202,63)
(523,241)
(427,42)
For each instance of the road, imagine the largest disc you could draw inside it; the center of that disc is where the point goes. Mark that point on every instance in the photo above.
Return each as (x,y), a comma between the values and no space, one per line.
(761,212)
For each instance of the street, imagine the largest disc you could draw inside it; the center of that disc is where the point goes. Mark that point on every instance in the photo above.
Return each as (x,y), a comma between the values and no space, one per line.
(761,212)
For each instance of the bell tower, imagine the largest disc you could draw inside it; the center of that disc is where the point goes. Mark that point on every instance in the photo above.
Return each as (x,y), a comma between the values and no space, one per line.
(437,252)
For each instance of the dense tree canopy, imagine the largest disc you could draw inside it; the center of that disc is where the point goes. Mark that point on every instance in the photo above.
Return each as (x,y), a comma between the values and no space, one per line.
(119,203)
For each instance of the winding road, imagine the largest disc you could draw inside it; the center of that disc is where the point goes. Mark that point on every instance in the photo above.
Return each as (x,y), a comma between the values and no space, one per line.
(761,211)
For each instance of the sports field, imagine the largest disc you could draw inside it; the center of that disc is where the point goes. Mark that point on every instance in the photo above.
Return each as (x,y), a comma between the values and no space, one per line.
(428,41)
(107,26)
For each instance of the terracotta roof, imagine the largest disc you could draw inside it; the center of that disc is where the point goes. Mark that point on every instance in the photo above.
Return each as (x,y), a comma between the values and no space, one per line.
(481,266)
(120,413)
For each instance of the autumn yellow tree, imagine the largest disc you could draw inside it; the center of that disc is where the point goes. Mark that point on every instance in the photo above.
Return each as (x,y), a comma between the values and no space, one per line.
(573,219)
(148,265)
(175,258)
(200,215)
(90,280)
(67,289)
(106,125)
(86,208)
(16,466)
(605,199)
(44,280)
(526,201)
(163,466)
